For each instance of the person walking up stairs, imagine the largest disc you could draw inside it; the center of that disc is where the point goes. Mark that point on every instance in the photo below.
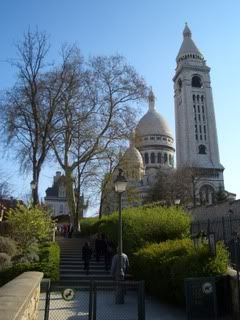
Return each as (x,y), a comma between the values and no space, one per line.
(72,264)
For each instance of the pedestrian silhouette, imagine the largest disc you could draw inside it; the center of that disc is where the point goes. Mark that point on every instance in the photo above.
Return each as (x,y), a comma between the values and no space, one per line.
(86,256)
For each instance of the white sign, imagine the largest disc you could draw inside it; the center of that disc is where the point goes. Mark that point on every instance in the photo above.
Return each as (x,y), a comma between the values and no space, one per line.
(68,294)
(207,288)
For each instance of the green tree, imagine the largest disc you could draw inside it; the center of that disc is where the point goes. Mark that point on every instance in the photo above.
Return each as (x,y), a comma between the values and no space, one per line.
(29,225)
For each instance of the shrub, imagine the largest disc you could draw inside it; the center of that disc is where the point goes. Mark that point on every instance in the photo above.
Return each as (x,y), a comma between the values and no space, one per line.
(49,255)
(8,246)
(5,261)
(164,266)
(143,224)
(50,260)
(29,225)
(89,225)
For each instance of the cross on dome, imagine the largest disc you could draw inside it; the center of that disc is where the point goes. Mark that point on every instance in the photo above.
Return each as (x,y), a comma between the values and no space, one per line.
(151,100)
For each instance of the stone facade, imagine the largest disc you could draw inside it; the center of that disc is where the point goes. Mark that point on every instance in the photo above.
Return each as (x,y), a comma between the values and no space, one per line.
(196,133)
(56,198)
(19,298)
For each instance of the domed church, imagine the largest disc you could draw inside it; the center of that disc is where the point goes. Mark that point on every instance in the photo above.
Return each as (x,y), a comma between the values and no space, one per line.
(151,149)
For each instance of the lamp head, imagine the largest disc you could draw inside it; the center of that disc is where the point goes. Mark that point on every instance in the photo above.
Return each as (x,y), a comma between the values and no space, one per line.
(120,183)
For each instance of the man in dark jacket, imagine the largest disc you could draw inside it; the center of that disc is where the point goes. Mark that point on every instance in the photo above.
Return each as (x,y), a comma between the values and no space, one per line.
(86,256)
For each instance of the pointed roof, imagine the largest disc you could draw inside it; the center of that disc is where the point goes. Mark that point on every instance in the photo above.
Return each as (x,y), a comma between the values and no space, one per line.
(188,46)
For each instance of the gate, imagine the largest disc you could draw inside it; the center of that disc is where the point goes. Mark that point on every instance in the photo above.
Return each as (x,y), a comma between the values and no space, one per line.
(208,298)
(92,300)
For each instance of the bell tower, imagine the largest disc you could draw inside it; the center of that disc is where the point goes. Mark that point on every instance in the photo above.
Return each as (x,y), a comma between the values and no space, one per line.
(196,133)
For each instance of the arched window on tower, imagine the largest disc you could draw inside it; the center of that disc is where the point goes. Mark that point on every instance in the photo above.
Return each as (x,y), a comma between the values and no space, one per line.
(196,82)
(179,85)
(159,157)
(152,157)
(165,157)
(202,149)
(170,159)
(146,158)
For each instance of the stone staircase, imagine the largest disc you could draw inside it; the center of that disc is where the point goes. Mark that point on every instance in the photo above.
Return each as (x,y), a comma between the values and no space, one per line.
(72,266)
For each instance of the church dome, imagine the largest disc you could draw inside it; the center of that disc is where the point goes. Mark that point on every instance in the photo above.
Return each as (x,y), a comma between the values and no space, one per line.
(132,162)
(152,123)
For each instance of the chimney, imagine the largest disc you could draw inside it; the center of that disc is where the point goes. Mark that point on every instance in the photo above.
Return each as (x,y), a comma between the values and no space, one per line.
(57,176)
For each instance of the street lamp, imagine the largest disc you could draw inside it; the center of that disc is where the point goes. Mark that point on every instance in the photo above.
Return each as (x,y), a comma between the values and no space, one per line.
(177,202)
(194,191)
(120,185)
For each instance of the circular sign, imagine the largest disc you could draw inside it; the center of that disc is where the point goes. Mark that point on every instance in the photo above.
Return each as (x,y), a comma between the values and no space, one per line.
(207,288)
(68,294)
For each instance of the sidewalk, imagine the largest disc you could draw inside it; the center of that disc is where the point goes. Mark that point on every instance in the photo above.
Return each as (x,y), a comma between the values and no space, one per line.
(77,309)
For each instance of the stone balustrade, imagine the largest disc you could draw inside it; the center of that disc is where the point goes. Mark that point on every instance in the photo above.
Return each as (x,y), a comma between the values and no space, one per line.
(19,298)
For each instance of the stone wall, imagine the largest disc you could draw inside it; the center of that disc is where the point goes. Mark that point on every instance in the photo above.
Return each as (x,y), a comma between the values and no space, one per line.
(19,298)
(215,212)
(234,293)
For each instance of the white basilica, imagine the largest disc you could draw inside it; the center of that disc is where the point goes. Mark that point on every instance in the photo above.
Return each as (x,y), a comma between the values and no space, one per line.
(151,148)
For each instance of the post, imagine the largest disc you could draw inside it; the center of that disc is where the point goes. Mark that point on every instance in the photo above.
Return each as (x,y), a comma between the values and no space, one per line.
(120,273)
(224,231)
(120,186)
(194,195)
(120,247)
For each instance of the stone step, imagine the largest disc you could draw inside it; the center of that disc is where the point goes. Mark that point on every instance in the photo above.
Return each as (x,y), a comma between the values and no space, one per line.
(81,261)
(82,271)
(85,277)
(78,256)
(76,267)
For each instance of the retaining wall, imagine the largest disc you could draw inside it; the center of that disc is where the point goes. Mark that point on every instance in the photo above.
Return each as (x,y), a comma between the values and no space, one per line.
(19,298)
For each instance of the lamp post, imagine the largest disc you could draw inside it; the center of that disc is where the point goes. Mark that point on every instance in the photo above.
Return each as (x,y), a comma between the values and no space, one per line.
(120,185)
(194,191)
(33,187)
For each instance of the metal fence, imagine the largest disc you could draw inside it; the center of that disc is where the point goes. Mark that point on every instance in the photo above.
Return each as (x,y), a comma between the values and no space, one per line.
(92,300)
(208,298)
(226,229)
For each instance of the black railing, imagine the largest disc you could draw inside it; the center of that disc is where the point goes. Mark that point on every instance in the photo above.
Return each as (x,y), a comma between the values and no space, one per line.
(91,300)
(226,229)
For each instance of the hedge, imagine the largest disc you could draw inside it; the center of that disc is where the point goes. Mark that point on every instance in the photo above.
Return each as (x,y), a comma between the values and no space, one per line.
(48,264)
(90,226)
(164,266)
(146,225)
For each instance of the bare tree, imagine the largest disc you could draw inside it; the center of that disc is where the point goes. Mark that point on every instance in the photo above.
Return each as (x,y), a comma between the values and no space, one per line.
(172,185)
(25,116)
(93,113)
(29,108)
(5,188)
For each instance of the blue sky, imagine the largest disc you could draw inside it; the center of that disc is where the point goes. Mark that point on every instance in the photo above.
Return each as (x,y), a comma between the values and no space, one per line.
(149,34)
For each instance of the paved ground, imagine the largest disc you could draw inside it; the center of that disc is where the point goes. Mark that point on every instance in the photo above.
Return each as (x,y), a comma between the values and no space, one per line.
(77,309)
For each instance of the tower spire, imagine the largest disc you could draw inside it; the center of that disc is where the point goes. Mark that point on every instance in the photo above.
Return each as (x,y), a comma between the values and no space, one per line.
(151,100)
(187,32)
